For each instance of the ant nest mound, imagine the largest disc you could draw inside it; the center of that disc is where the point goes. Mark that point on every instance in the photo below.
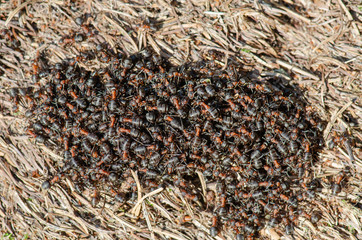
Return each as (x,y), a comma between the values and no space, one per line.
(252,140)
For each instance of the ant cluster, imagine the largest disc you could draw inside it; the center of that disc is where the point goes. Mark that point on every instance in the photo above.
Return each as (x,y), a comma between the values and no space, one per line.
(253,139)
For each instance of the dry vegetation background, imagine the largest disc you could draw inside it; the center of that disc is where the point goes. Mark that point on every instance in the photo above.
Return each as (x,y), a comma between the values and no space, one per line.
(315,44)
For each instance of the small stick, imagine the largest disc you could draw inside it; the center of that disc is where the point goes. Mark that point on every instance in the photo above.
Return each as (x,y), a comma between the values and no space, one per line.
(334,118)
(203,184)
(350,17)
(296,69)
(136,208)
(16,10)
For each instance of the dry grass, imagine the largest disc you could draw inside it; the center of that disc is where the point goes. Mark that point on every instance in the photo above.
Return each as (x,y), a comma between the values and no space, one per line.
(316,44)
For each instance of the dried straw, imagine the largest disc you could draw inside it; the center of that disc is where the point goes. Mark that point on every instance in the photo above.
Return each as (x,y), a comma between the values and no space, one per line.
(315,44)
